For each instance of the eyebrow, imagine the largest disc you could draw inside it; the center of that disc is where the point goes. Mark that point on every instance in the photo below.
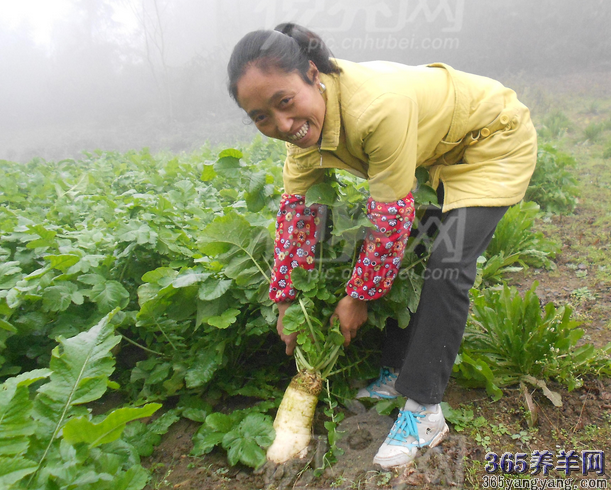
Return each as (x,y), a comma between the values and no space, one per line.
(277,95)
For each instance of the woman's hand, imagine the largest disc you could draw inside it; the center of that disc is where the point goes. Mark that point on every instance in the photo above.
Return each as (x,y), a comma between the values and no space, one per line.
(289,340)
(352,313)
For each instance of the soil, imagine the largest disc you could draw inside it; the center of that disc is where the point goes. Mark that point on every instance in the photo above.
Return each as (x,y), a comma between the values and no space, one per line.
(582,278)
(457,463)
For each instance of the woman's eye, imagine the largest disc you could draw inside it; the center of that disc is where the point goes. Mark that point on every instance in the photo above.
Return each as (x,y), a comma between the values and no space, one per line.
(285,101)
(259,119)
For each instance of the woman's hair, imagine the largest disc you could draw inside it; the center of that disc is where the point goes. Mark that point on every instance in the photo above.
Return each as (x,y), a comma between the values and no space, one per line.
(288,47)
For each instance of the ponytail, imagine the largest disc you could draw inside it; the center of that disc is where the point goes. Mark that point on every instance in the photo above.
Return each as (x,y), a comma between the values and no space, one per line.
(288,48)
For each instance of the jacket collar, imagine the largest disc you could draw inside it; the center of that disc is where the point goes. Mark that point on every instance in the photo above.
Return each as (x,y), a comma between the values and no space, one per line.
(332,125)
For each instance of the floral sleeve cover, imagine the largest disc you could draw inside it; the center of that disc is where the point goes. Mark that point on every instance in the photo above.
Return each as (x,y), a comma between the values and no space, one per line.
(295,243)
(383,248)
(379,259)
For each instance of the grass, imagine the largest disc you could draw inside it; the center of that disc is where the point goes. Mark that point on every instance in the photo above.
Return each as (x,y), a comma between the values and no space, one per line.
(593,131)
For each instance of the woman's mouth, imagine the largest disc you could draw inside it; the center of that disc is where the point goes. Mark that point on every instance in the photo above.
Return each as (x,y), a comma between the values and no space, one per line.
(301,133)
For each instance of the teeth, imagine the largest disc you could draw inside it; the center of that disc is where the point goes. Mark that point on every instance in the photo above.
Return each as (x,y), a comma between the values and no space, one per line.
(301,133)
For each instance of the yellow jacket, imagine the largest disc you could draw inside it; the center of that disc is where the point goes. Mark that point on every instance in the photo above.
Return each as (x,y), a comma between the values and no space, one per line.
(384,119)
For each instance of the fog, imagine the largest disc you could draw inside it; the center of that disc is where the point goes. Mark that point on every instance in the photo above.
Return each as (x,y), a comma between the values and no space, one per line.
(122,74)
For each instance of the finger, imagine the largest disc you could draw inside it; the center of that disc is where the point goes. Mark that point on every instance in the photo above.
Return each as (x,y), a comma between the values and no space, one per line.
(347,337)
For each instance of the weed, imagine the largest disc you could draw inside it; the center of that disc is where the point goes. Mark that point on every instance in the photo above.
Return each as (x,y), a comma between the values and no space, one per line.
(582,294)
(555,125)
(523,436)
(499,430)
(384,478)
(592,132)
(607,151)
(511,339)
(460,418)
(516,244)
(339,481)
(473,471)
(552,185)
(593,107)
(163,481)
(483,440)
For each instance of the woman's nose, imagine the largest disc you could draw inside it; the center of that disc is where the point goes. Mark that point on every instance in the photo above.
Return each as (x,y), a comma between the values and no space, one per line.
(284,123)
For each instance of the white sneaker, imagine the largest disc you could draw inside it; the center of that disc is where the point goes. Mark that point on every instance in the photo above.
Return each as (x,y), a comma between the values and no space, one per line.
(415,427)
(383,387)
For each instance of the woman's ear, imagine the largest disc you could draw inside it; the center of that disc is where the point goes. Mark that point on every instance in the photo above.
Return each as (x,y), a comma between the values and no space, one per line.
(313,73)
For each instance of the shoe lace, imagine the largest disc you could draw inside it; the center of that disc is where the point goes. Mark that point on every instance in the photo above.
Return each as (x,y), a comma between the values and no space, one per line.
(405,426)
(385,376)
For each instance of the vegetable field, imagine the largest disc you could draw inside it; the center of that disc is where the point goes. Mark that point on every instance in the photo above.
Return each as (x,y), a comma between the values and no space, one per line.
(138,344)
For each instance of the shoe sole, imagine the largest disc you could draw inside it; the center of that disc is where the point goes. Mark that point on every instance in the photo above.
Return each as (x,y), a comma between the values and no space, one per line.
(434,442)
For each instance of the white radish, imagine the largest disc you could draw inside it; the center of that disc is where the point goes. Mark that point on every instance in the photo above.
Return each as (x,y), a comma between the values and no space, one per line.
(293,423)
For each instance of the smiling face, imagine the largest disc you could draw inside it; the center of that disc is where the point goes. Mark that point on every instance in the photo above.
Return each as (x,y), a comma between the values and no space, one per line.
(282,105)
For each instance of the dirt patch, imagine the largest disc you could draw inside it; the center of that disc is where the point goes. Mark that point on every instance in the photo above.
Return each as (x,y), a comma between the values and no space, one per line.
(582,423)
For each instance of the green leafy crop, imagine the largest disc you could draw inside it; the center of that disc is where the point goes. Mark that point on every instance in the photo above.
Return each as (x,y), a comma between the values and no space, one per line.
(51,440)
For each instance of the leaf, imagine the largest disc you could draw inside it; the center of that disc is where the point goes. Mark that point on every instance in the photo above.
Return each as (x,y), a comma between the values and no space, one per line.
(16,424)
(385,407)
(189,278)
(59,298)
(294,320)
(425,195)
(219,422)
(245,442)
(304,280)
(9,274)
(553,396)
(135,478)
(223,321)
(81,367)
(46,237)
(208,173)
(209,309)
(202,370)
(228,162)
(14,469)
(4,325)
(232,229)
(213,288)
(205,440)
(62,262)
(110,429)
(141,438)
(320,194)
(109,295)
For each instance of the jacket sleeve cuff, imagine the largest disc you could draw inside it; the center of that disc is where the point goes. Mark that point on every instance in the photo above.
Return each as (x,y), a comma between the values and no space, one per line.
(383,248)
(294,243)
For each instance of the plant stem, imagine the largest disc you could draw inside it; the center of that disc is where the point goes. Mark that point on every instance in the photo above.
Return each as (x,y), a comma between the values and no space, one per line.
(301,362)
(257,264)
(165,335)
(142,347)
(307,317)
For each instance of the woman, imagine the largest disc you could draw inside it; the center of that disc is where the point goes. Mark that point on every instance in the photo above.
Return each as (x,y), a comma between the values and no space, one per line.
(380,121)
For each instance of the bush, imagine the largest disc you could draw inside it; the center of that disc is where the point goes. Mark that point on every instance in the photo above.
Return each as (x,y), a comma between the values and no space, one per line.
(552,185)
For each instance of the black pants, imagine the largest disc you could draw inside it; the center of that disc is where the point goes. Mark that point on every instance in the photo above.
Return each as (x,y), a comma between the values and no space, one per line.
(426,349)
